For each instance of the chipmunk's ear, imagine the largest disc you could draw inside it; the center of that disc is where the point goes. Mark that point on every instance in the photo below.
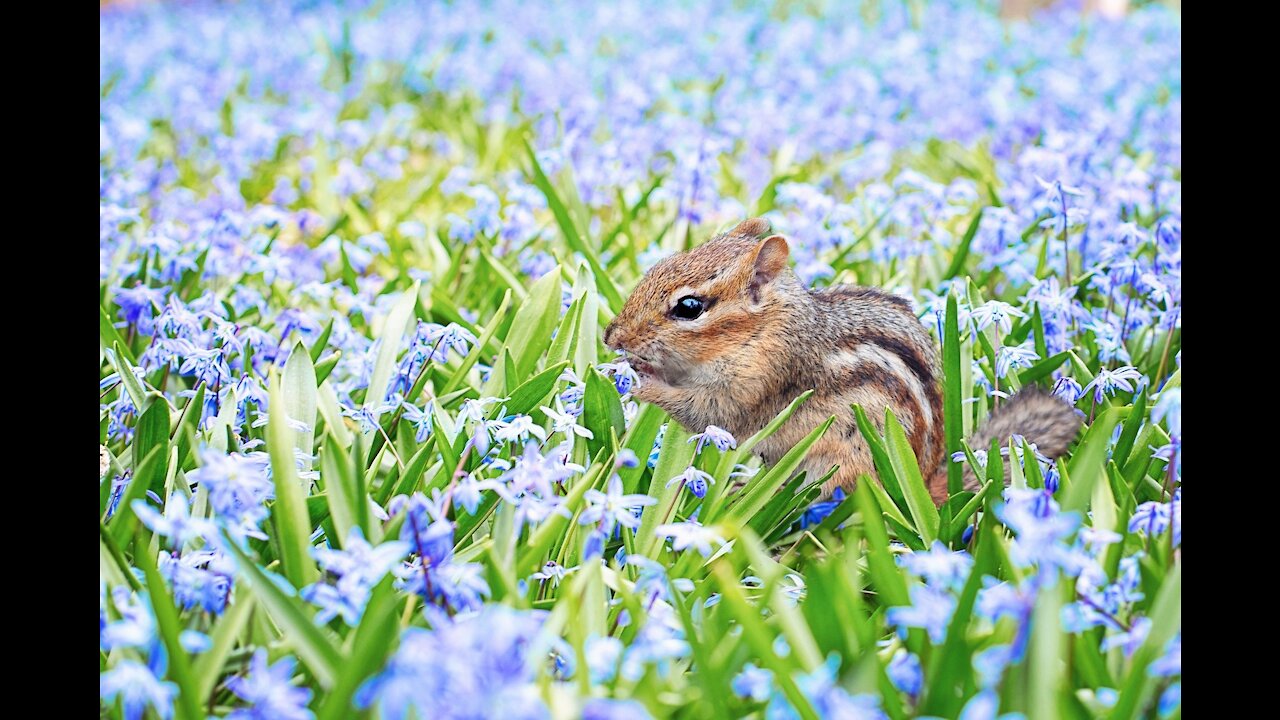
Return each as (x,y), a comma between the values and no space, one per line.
(770,260)
(757,227)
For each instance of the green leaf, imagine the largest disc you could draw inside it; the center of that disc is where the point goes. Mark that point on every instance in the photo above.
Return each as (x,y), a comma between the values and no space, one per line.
(111,339)
(1042,369)
(209,665)
(639,440)
(562,344)
(300,390)
(375,639)
(924,513)
(292,616)
(340,489)
(885,576)
(761,489)
(716,495)
(1088,465)
(532,392)
(151,432)
(393,332)
(1166,621)
(478,349)
(166,615)
(531,328)
(576,240)
(601,409)
(1129,433)
(184,433)
(962,249)
(1046,654)
(137,394)
(880,456)
(322,342)
(124,521)
(325,366)
(289,511)
(953,391)
(673,458)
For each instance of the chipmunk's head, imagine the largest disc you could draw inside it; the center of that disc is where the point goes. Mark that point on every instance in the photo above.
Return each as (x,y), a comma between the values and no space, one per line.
(694,316)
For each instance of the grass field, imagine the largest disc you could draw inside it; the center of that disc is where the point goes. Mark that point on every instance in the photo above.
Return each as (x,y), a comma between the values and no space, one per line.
(364,453)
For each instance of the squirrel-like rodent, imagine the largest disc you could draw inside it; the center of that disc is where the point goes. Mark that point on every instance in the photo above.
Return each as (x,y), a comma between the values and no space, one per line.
(725,334)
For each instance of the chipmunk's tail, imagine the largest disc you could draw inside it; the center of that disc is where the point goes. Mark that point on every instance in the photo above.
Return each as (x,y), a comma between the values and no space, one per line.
(1043,419)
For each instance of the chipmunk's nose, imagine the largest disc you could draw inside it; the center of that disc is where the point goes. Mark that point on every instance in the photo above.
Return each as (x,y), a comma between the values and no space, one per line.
(611,335)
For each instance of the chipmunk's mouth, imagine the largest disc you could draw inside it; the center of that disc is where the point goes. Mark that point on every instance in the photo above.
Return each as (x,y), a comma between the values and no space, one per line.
(643,367)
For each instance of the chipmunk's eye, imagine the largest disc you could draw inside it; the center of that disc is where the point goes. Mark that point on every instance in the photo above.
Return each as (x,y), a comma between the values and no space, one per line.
(688,308)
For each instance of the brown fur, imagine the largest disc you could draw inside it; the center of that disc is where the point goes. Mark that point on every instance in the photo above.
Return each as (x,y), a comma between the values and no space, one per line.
(764,339)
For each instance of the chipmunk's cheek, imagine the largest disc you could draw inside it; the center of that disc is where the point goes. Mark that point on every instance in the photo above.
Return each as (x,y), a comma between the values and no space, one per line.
(730,334)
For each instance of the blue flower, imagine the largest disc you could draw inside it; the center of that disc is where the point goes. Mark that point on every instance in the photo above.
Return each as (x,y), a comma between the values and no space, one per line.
(716,436)
(753,682)
(357,567)
(1155,518)
(612,508)
(1042,530)
(985,706)
(1170,700)
(479,665)
(1011,357)
(138,689)
(426,532)
(818,511)
(690,534)
(135,628)
(930,609)
(175,523)
(268,691)
(905,674)
(609,709)
(138,306)
(1169,664)
(694,479)
(420,420)
(828,699)
(939,566)
(997,313)
(1108,382)
(553,571)
(238,488)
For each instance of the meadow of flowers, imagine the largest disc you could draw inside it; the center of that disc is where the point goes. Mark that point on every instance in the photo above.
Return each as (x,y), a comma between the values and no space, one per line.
(364,453)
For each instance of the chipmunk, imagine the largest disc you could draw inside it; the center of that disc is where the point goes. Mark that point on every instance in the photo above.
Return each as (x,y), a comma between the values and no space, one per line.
(725,334)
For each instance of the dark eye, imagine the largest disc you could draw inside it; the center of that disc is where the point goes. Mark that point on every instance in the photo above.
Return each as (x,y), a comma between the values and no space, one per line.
(689,308)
